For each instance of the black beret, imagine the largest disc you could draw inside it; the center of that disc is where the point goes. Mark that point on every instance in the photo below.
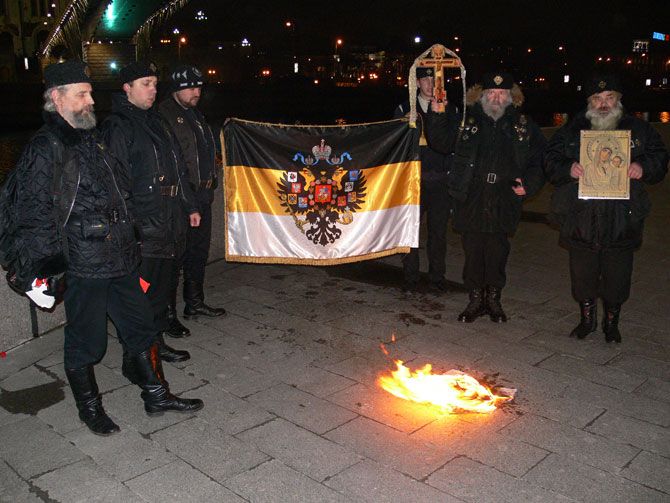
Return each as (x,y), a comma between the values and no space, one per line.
(137,70)
(68,72)
(498,80)
(601,83)
(185,77)
(425,71)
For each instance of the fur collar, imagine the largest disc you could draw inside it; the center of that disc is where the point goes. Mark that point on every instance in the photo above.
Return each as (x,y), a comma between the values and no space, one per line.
(68,135)
(475,93)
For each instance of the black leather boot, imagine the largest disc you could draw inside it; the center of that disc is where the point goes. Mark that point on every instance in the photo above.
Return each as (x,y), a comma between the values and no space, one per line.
(475,308)
(155,392)
(494,306)
(176,329)
(194,298)
(611,323)
(588,322)
(87,397)
(168,354)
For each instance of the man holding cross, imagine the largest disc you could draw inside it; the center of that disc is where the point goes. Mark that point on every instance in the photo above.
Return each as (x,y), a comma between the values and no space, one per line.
(498,162)
(435,166)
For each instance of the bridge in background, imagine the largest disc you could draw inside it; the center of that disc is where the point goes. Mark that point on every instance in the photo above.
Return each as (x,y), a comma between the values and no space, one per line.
(107,34)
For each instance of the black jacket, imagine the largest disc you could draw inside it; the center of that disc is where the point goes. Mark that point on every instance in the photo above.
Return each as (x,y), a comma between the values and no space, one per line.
(596,224)
(489,156)
(435,166)
(92,205)
(161,196)
(197,143)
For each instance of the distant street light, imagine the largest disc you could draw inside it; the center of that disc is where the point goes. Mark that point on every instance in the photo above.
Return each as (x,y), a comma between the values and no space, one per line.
(417,39)
(180,42)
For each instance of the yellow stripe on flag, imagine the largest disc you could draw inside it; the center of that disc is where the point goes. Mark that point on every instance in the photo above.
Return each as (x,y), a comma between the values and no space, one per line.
(255,190)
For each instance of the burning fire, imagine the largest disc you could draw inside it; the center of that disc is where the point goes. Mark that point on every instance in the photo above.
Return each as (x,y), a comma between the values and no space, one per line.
(452,391)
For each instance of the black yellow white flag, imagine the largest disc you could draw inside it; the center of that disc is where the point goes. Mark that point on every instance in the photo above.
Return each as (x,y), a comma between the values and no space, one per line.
(320,195)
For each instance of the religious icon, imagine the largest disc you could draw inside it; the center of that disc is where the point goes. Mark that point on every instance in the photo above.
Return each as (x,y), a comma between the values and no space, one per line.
(605,156)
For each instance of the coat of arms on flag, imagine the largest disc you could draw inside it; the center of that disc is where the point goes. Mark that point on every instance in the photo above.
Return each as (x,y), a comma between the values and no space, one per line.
(320,195)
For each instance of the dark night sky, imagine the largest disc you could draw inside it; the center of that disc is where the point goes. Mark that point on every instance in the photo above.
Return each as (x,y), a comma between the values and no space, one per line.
(390,24)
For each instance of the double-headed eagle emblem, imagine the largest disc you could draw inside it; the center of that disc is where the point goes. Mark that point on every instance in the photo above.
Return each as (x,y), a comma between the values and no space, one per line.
(320,193)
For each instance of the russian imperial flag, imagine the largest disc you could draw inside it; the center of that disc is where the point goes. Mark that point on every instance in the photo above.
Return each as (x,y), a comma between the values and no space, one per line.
(320,195)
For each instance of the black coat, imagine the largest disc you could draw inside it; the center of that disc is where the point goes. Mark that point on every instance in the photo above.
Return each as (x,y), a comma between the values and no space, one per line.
(596,224)
(435,165)
(489,156)
(93,207)
(146,145)
(192,131)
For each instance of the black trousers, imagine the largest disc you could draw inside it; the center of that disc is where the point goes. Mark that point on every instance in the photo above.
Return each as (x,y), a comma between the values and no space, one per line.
(605,273)
(197,249)
(161,273)
(88,302)
(436,205)
(486,256)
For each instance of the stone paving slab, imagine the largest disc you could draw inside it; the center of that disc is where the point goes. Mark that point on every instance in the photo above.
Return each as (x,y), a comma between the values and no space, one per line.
(571,443)
(300,449)
(472,481)
(585,483)
(30,448)
(203,446)
(83,481)
(371,482)
(13,488)
(179,481)
(628,430)
(274,482)
(650,470)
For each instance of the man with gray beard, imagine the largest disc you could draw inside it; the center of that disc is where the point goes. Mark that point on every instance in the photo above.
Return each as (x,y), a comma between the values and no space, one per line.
(75,217)
(602,234)
(498,163)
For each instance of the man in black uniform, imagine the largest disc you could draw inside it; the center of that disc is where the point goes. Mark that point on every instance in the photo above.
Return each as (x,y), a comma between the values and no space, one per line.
(601,234)
(498,162)
(165,204)
(199,151)
(435,200)
(75,216)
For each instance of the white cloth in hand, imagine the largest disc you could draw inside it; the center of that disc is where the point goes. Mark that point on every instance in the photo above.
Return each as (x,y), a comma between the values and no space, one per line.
(40,293)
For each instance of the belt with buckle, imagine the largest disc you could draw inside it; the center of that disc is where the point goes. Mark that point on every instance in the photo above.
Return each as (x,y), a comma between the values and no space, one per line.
(491,178)
(170,190)
(206,184)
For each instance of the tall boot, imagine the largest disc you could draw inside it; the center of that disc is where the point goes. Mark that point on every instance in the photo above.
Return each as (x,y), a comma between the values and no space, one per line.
(175,329)
(168,354)
(494,306)
(588,321)
(475,308)
(194,299)
(87,397)
(147,368)
(611,323)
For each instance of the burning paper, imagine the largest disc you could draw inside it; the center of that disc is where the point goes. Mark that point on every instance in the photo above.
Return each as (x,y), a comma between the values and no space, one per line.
(453,391)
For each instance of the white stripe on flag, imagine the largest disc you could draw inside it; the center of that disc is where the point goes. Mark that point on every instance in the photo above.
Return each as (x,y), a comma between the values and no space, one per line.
(263,235)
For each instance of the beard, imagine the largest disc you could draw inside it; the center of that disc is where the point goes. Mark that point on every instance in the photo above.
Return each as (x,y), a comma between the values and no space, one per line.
(84,119)
(606,121)
(495,110)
